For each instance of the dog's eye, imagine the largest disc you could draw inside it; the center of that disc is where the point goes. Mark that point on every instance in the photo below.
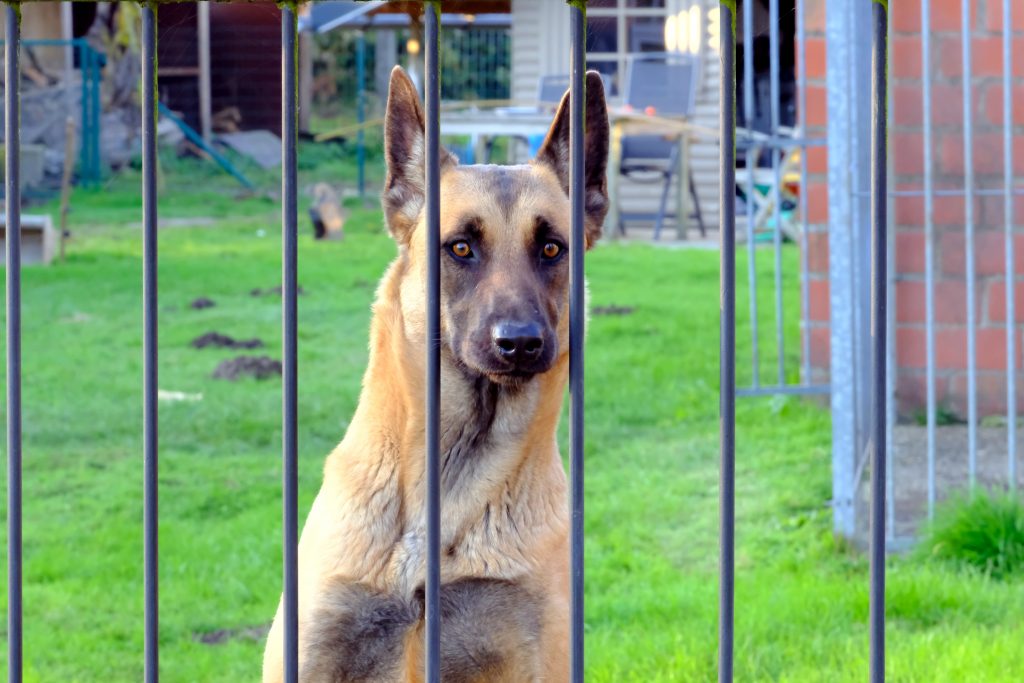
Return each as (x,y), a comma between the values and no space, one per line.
(462,249)
(551,250)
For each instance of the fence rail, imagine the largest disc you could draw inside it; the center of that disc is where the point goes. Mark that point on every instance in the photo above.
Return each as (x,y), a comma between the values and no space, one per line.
(433,631)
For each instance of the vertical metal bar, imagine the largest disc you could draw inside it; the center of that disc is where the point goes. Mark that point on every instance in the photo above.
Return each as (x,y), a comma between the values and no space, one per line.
(751,161)
(12,170)
(289,332)
(577,66)
(776,104)
(1011,328)
(890,342)
(205,88)
(929,251)
(879,323)
(432,97)
(727,350)
(968,103)
(801,38)
(83,150)
(149,340)
(361,112)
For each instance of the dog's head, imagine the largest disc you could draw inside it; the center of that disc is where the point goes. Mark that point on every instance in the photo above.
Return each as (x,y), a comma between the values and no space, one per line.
(505,235)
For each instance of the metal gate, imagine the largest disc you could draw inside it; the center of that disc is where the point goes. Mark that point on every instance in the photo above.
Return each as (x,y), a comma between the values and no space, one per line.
(875,375)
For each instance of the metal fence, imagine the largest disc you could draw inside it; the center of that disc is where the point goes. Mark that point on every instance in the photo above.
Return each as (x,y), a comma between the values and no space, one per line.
(878,379)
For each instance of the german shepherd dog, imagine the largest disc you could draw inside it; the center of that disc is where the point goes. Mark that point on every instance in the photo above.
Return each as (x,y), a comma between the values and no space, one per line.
(505,232)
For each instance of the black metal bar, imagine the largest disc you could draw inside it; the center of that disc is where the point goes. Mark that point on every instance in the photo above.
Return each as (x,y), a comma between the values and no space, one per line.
(289,332)
(149,343)
(12,169)
(432,97)
(577,68)
(727,351)
(879,183)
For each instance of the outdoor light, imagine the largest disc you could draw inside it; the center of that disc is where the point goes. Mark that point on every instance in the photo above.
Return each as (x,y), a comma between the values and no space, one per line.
(683,30)
(412,46)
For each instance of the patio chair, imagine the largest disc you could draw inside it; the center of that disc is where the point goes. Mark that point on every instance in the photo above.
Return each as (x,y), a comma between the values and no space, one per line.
(666,84)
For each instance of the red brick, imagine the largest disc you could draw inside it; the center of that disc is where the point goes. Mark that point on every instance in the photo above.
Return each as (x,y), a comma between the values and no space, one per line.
(821,347)
(947,105)
(989,257)
(817,105)
(990,348)
(817,202)
(815,58)
(988,154)
(950,300)
(996,306)
(905,17)
(990,107)
(907,105)
(946,211)
(814,17)
(817,252)
(912,391)
(817,160)
(990,390)
(993,210)
(946,14)
(994,16)
(910,252)
(949,347)
(986,56)
(908,152)
(817,300)
(906,56)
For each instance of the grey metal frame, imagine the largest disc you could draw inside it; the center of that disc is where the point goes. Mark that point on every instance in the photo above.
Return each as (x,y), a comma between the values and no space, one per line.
(875,381)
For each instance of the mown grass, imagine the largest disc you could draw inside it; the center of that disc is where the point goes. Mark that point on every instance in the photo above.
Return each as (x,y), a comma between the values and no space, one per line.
(652,465)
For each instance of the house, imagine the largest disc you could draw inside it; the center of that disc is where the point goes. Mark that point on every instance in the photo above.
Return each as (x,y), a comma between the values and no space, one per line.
(618,29)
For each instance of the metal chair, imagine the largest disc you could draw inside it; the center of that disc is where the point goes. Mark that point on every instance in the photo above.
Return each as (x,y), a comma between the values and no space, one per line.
(665,84)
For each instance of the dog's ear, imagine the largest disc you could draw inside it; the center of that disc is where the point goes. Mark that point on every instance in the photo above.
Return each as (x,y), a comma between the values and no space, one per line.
(554,153)
(404,188)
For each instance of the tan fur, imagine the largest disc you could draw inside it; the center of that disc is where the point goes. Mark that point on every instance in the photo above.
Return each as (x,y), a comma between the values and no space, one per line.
(504,513)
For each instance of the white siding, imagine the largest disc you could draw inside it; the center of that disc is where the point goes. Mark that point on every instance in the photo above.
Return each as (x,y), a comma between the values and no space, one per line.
(540,33)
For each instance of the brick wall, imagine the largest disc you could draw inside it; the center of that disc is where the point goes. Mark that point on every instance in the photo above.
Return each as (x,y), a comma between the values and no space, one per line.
(907,150)
(817,192)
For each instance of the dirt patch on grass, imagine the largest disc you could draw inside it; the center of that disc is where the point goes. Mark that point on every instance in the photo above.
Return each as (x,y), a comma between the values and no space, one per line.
(259,367)
(217,340)
(202,302)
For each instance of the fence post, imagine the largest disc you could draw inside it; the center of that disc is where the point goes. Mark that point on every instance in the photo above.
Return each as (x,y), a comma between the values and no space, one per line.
(727,349)
(149,327)
(12,132)
(848,77)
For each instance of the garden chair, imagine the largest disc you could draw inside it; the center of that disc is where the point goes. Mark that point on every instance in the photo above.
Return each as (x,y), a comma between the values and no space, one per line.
(663,84)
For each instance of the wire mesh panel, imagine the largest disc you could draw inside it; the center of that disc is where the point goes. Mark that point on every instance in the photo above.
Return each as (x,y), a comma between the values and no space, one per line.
(13,236)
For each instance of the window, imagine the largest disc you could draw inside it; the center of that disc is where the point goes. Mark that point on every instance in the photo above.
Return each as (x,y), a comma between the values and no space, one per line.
(617,29)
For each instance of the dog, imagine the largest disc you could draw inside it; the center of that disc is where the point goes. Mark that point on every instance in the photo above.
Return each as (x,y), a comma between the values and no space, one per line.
(505,232)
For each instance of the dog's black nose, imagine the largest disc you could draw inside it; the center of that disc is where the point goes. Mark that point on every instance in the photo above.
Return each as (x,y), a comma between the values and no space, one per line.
(517,342)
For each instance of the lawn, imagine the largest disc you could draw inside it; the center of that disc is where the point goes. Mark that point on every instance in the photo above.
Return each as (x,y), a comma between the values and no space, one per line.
(652,465)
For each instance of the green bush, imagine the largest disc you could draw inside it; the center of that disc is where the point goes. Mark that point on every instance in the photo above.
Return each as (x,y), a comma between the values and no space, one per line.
(984,532)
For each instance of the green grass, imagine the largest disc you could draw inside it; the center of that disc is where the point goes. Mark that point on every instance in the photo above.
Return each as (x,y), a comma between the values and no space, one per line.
(983,532)
(652,465)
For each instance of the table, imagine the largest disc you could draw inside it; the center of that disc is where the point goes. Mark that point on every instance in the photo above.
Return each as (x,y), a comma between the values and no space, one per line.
(485,124)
